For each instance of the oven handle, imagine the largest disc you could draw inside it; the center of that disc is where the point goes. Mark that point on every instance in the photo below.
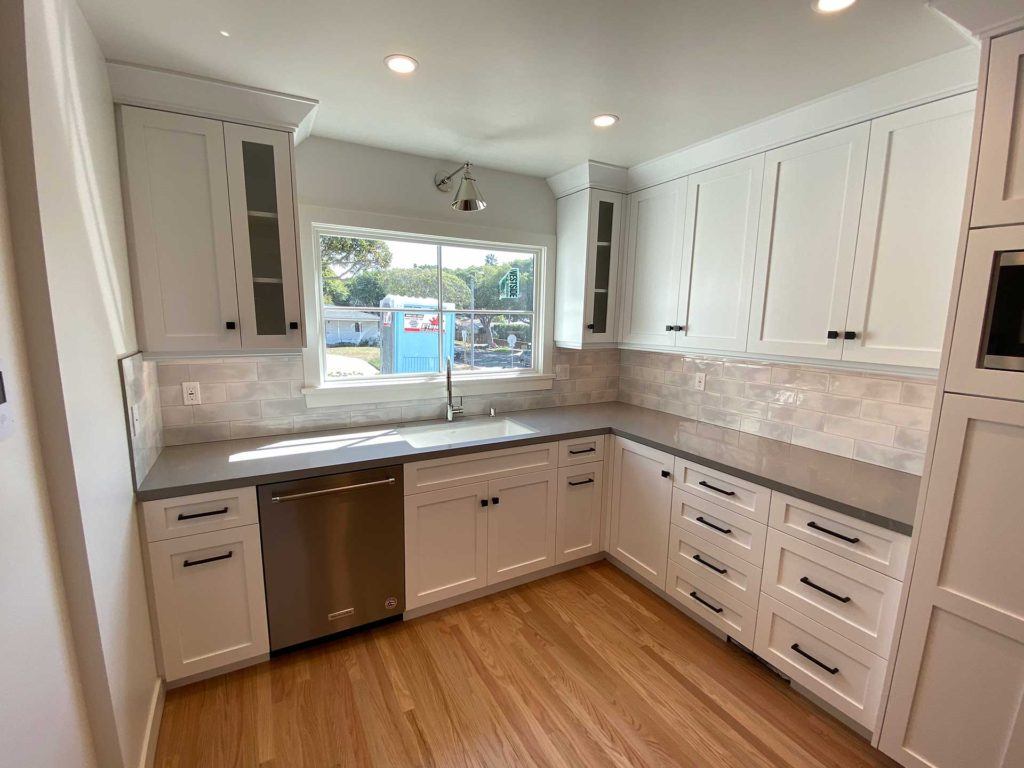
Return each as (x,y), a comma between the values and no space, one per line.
(326,491)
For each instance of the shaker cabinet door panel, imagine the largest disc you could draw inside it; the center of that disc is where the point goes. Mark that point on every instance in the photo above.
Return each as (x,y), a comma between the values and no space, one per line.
(521,525)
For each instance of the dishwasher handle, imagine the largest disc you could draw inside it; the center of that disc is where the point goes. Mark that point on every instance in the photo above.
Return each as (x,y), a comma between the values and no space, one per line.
(327,491)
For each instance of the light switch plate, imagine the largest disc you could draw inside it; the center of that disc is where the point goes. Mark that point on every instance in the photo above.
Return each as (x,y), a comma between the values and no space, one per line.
(700,381)
(190,394)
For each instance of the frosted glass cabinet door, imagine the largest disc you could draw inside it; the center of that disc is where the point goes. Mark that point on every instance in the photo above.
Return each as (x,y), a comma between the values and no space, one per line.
(179,227)
(909,231)
(810,205)
(956,688)
(263,225)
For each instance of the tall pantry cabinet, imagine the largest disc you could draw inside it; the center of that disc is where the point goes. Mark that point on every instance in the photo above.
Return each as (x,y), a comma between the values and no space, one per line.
(955,698)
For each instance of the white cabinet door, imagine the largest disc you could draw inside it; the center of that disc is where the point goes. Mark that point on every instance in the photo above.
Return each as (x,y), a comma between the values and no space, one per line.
(580,492)
(521,525)
(259,170)
(641,505)
(208,594)
(999,189)
(722,206)
(445,543)
(602,267)
(956,689)
(179,228)
(909,230)
(807,233)
(572,214)
(655,248)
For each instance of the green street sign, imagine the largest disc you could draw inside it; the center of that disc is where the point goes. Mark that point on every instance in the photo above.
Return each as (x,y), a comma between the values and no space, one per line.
(508,285)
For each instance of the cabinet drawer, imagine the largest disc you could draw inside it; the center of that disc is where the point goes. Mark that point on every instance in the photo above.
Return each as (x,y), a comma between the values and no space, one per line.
(583,450)
(733,575)
(724,490)
(850,599)
(201,513)
(209,600)
(732,532)
(712,604)
(869,545)
(580,504)
(434,474)
(837,670)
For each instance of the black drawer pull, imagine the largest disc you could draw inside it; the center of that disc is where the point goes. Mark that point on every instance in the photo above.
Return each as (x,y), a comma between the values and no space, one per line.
(585,450)
(705,603)
(831,670)
(849,539)
(726,531)
(194,515)
(582,482)
(833,595)
(706,564)
(719,490)
(215,558)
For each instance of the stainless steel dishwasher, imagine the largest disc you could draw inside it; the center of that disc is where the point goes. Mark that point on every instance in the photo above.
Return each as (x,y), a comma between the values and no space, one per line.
(333,553)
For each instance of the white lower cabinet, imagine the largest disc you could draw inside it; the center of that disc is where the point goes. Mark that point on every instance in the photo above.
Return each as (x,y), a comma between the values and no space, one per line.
(521,525)
(641,509)
(712,603)
(209,601)
(733,575)
(728,530)
(580,495)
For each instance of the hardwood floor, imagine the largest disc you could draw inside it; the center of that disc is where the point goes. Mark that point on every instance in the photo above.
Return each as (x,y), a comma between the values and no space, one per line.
(585,668)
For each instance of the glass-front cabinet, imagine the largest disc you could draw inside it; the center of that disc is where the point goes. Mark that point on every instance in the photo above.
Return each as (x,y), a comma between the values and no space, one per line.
(263,229)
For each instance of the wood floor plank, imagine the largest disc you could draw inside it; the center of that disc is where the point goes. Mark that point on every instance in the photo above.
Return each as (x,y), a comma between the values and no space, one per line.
(585,668)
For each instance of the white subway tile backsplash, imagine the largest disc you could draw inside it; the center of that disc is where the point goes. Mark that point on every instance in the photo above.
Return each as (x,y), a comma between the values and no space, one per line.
(905,461)
(772,429)
(921,395)
(760,374)
(799,378)
(864,387)
(209,372)
(261,427)
(262,390)
(198,433)
(893,413)
(911,439)
(290,407)
(820,441)
(226,411)
(176,415)
(796,417)
(745,407)
(860,430)
(280,370)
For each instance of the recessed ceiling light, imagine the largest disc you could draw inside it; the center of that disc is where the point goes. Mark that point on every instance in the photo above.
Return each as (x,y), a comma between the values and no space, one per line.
(400,63)
(603,121)
(831,6)
(225,33)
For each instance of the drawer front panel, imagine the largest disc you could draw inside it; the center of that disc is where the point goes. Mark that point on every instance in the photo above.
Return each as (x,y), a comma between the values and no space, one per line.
(869,545)
(435,474)
(735,618)
(582,450)
(737,495)
(839,671)
(200,513)
(854,601)
(580,498)
(732,532)
(733,575)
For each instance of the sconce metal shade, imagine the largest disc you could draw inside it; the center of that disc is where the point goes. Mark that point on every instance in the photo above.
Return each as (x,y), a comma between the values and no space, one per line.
(467,197)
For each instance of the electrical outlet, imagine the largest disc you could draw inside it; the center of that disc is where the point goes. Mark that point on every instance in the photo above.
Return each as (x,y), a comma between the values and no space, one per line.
(190,393)
(700,380)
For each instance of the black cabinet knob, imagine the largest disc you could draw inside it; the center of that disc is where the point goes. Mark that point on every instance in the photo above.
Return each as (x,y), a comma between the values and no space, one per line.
(230,325)
(483,502)
(590,326)
(678,327)
(849,335)
(293,326)
(833,334)
(495,500)
(666,473)
(670,327)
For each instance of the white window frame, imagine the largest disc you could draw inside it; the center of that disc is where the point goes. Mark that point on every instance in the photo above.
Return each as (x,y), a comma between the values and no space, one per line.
(318,392)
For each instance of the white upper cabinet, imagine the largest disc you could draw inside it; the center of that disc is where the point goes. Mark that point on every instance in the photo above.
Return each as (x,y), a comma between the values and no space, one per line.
(587,268)
(263,224)
(180,231)
(211,219)
(909,228)
(655,249)
(806,241)
(720,238)
(999,191)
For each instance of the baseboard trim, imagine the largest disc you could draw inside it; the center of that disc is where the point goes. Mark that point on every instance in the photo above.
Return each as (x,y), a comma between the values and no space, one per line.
(156,712)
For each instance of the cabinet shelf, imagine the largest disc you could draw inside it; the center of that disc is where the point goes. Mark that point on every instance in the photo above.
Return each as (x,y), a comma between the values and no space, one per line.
(272,280)
(262,215)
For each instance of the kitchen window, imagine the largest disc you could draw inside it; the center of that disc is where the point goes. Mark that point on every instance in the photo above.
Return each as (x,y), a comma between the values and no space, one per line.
(396,308)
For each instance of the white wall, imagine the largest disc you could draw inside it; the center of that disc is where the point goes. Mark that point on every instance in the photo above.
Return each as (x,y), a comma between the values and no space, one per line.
(39,687)
(67,226)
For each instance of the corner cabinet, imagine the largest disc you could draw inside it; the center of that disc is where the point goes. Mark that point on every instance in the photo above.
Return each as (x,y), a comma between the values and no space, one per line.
(211,222)
(587,268)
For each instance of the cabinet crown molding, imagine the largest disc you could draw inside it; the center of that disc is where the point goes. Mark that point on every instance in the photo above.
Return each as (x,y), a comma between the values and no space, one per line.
(204,97)
(591,174)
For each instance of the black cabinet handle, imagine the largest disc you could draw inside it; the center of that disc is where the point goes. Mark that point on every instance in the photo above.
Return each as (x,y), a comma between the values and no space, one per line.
(849,335)
(719,490)
(194,515)
(670,327)
(483,502)
(848,539)
(583,450)
(705,603)
(678,327)
(833,595)
(590,326)
(215,558)
(582,482)
(833,334)
(666,473)
(230,325)
(831,670)
(293,326)
(700,519)
(495,500)
(706,564)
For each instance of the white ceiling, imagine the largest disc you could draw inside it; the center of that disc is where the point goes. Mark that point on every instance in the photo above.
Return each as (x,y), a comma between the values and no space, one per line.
(512,84)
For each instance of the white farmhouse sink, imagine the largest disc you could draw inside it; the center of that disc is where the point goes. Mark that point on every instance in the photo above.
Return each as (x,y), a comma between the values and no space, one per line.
(430,435)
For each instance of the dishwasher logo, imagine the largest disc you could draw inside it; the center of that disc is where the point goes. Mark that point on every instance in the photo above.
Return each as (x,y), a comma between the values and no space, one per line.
(391,603)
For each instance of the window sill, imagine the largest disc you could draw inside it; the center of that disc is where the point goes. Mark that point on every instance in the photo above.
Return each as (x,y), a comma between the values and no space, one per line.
(375,391)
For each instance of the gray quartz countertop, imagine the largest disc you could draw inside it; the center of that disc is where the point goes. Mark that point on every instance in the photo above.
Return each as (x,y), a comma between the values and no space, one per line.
(875,494)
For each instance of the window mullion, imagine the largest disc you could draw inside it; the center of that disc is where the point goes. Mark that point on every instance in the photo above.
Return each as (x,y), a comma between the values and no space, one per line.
(440,313)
